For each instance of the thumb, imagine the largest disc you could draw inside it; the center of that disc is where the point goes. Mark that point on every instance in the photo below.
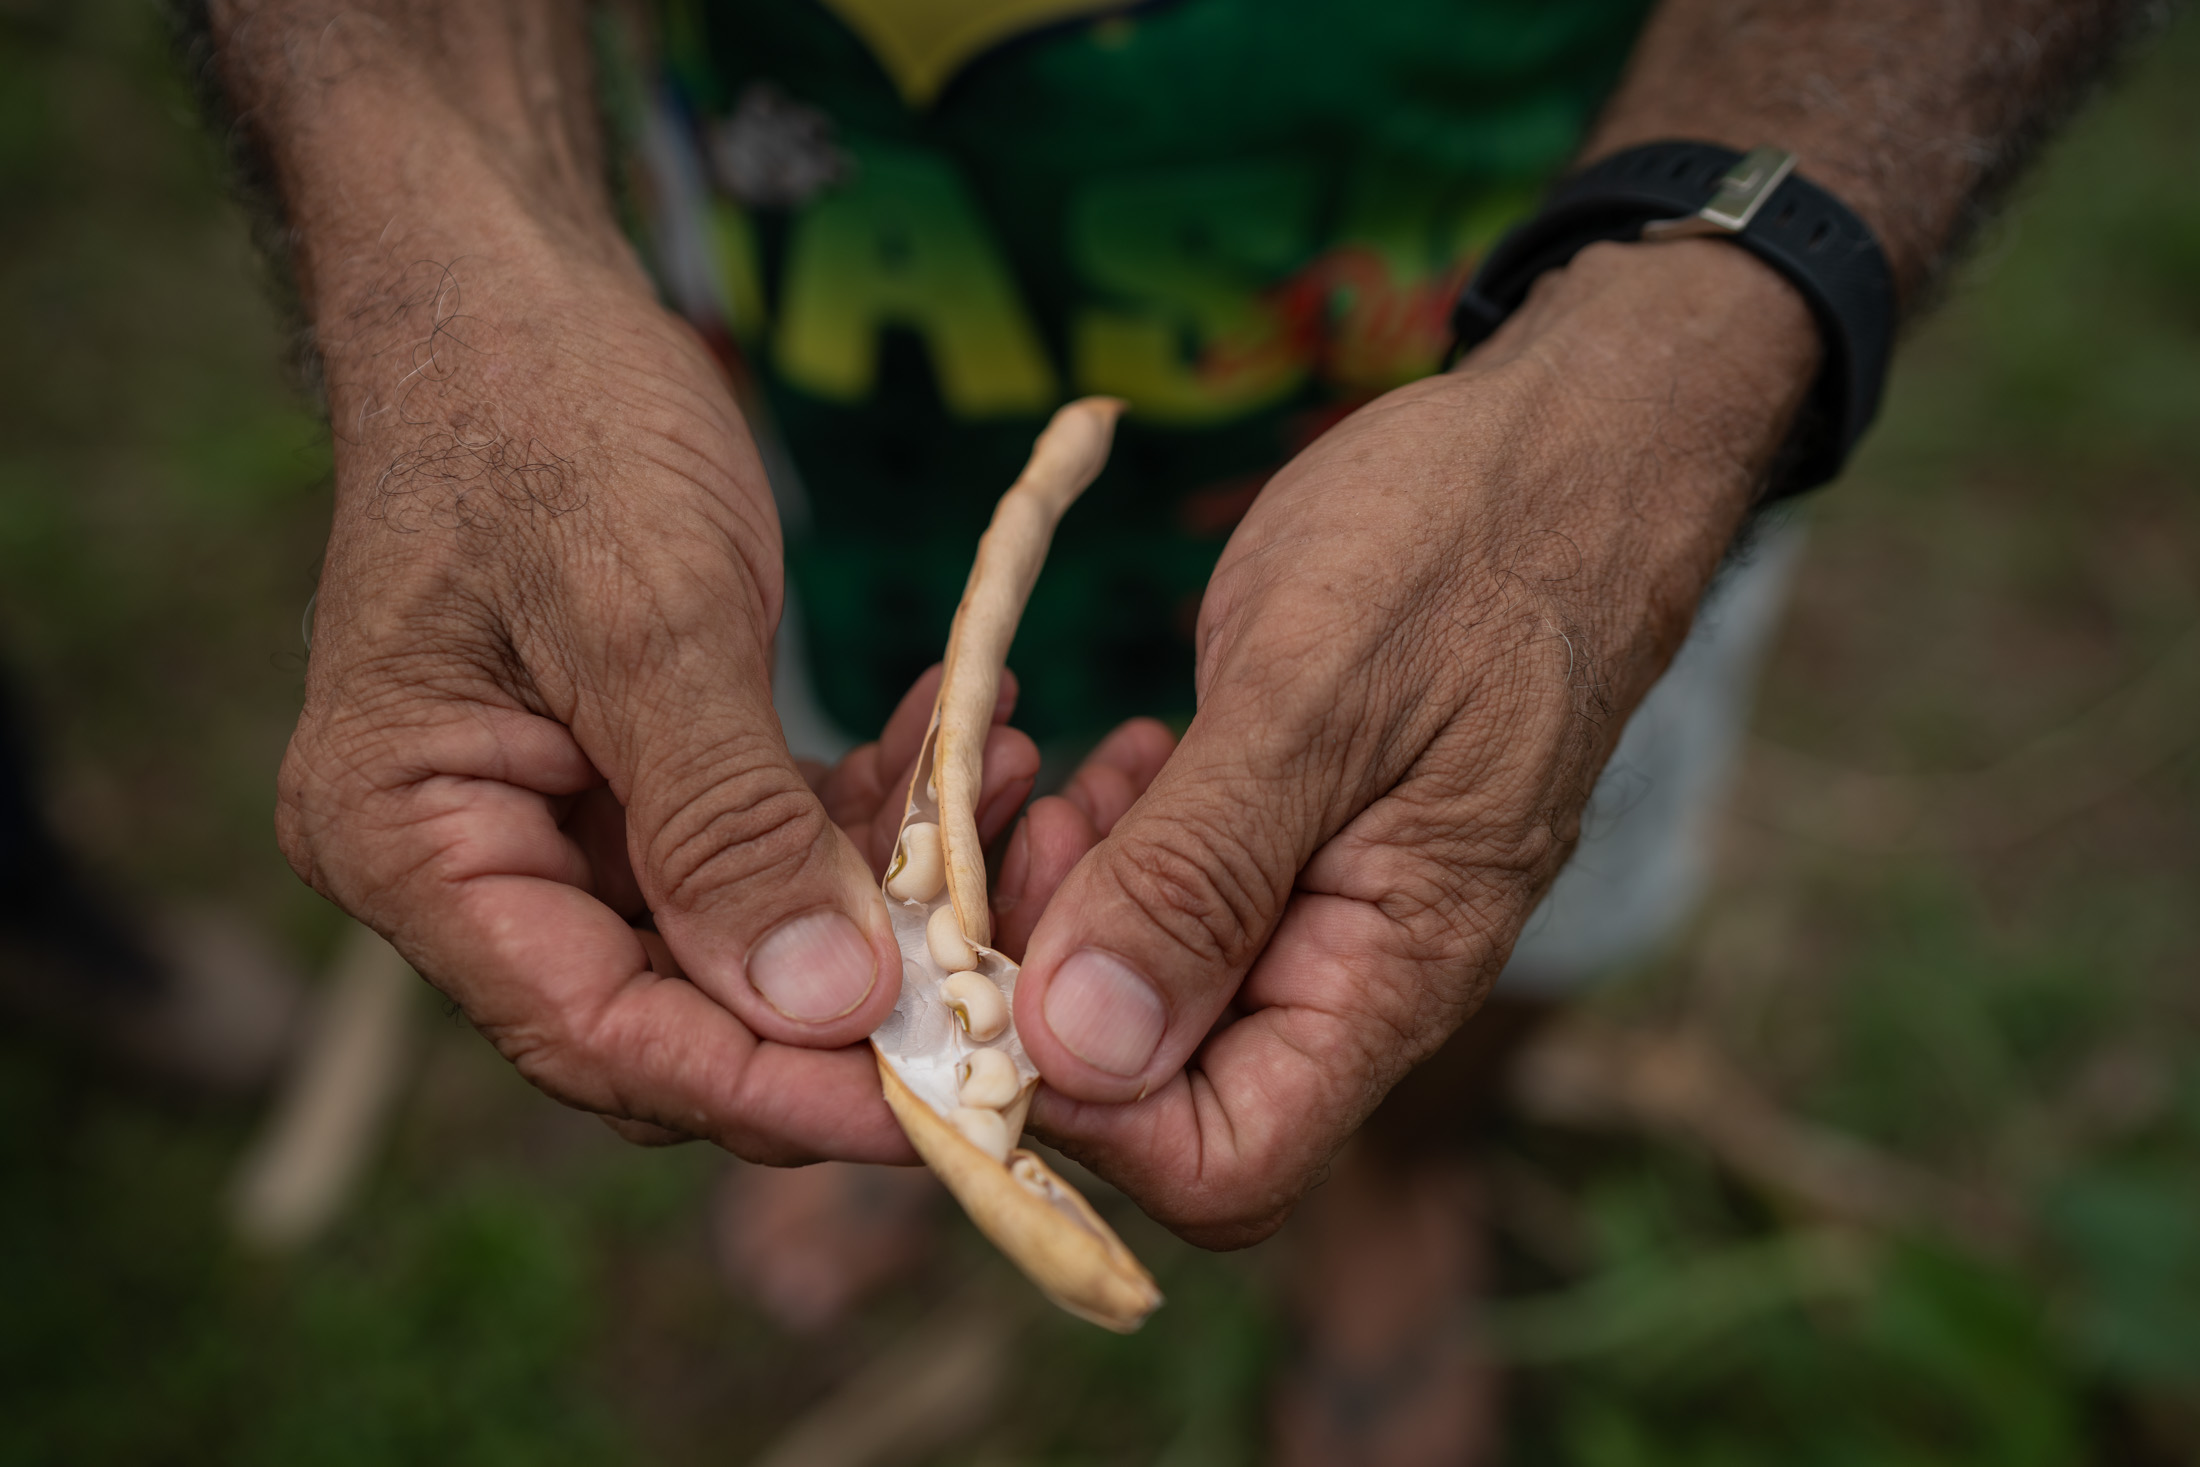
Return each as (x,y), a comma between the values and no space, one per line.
(1145,941)
(766,905)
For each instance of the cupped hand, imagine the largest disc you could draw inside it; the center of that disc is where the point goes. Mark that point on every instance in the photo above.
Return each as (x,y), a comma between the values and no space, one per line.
(1414,657)
(538,750)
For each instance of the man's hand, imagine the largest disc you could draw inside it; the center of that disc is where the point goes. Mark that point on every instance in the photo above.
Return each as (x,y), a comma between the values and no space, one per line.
(539,713)
(1414,657)
(1424,640)
(538,749)
(538,700)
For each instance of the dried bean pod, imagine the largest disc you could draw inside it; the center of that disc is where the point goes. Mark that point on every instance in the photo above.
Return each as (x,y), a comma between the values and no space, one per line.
(964,1109)
(984,1129)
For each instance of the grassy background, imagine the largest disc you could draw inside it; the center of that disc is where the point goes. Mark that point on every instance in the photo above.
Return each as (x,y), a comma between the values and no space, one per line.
(1957,920)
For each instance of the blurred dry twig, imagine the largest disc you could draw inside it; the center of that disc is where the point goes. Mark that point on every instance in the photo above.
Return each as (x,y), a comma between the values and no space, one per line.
(935,1385)
(1677,1085)
(2112,746)
(328,1119)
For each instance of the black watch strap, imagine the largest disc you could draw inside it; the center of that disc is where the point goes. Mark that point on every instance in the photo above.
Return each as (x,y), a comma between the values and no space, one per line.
(1676,189)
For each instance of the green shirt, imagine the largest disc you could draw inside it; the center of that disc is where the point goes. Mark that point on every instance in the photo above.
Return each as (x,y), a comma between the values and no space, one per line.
(917,226)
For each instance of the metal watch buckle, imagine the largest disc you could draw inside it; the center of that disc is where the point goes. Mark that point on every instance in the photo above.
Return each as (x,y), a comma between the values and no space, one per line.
(1741,193)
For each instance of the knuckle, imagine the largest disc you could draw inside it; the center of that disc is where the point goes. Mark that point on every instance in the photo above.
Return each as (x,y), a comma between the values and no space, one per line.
(644,1133)
(669,610)
(1437,909)
(332,810)
(1224,1223)
(1206,893)
(293,822)
(740,824)
(574,1058)
(1238,1210)
(548,1055)
(323,790)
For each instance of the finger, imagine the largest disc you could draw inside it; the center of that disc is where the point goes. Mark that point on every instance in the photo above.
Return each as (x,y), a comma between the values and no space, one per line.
(853,789)
(1396,930)
(595,822)
(1223,1149)
(1011,767)
(878,770)
(457,856)
(903,737)
(1119,770)
(642,1133)
(1052,838)
(1058,831)
(770,908)
(867,792)
(1145,940)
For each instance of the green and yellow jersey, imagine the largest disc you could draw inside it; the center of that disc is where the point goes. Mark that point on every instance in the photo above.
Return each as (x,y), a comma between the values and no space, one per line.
(920,225)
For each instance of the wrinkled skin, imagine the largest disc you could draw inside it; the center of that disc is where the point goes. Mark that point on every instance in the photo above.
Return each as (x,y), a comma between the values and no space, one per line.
(538,702)
(1414,657)
(538,709)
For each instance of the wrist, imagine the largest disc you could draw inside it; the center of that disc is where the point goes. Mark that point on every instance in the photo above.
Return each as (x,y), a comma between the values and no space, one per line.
(1637,400)
(381,196)
(1688,329)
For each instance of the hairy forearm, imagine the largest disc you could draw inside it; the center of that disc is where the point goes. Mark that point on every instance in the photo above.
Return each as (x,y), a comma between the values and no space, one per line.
(417,126)
(438,175)
(1680,366)
(1916,112)
(492,354)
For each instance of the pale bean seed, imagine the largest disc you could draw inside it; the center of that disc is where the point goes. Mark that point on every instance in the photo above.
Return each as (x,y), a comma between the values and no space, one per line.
(923,865)
(989,1079)
(974,1000)
(985,1129)
(950,949)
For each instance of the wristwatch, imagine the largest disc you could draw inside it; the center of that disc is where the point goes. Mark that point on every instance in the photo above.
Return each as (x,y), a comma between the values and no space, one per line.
(1675,190)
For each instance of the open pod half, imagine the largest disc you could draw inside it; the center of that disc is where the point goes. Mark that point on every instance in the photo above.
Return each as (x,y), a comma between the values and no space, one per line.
(953,1069)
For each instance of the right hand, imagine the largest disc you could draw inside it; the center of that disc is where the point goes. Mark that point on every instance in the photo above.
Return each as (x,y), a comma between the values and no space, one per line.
(538,711)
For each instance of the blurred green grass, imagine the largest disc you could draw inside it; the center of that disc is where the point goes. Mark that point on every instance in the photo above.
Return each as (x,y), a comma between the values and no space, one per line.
(2010,1002)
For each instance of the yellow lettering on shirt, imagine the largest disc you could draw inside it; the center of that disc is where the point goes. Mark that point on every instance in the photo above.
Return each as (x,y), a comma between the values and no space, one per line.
(901,243)
(1189,258)
(735,266)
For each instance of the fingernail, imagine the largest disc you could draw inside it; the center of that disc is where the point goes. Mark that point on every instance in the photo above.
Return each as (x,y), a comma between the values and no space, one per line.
(813,967)
(1105,1013)
(1008,890)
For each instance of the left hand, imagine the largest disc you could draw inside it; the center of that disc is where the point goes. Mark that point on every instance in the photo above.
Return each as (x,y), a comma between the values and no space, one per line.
(865,795)
(1414,657)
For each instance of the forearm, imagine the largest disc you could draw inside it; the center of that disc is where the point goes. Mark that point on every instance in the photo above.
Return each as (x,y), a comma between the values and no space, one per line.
(1911,113)
(399,130)
(494,357)
(1915,112)
(1652,386)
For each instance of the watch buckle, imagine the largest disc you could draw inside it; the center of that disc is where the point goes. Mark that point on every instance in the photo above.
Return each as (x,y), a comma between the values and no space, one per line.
(1740,194)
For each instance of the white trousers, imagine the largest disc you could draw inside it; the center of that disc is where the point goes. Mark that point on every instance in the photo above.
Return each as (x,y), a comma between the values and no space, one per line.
(1647,835)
